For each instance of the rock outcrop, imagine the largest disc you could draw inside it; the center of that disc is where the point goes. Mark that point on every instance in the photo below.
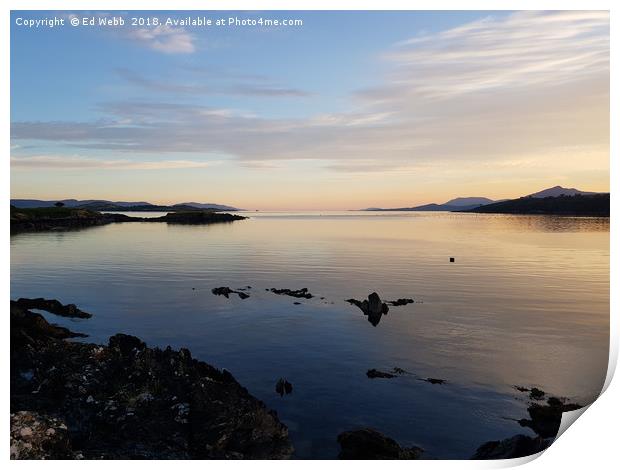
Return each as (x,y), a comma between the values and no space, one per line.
(368,444)
(126,400)
(63,218)
(544,420)
(399,302)
(53,306)
(511,448)
(299,293)
(226,291)
(373,308)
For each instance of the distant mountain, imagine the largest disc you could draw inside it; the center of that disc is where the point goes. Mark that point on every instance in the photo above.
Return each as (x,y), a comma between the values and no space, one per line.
(31,203)
(593,205)
(469,201)
(457,204)
(559,191)
(209,205)
(103,205)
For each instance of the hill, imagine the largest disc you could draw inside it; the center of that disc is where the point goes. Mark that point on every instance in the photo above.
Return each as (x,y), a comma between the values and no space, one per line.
(557,191)
(594,205)
(469,201)
(119,206)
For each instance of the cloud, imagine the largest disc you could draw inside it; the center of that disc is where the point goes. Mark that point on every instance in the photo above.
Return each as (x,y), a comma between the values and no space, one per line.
(211,88)
(163,38)
(501,89)
(520,51)
(80,163)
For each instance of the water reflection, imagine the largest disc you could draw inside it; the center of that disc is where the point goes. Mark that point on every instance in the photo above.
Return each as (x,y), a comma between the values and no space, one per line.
(373,308)
(526,303)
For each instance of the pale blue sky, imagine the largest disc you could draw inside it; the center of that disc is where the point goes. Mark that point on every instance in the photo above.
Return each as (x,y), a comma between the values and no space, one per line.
(242,115)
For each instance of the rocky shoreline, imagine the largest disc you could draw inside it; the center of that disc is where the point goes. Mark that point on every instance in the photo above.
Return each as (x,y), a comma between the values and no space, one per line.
(125,400)
(61,218)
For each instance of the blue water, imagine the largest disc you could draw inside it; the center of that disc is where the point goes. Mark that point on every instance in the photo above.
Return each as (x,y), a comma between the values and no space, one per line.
(526,302)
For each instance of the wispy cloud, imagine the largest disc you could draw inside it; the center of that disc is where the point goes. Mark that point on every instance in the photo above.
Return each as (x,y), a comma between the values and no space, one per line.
(80,163)
(525,49)
(211,86)
(164,38)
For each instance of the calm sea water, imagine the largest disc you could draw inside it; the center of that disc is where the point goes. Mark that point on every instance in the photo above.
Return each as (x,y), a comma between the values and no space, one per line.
(526,302)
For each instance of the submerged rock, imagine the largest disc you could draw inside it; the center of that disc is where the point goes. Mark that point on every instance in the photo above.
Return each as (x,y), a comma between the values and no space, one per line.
(283,387)
(430,380)
(126,400)
(535,393)
(368,444)
(511,448)
(399,302)
(53,306)
(226,291)
(373,308)
(378,374)
(299,293)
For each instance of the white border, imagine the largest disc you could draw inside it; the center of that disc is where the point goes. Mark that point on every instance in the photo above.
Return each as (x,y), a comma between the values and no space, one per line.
(591,443)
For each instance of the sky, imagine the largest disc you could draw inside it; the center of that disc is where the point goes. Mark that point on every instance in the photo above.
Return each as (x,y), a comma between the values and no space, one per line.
(345,111)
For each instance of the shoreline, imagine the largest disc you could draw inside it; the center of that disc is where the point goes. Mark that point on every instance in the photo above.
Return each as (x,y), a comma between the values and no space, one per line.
(76,400)
(50,219)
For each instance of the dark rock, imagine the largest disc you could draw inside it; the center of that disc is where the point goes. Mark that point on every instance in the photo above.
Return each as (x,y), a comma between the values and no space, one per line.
(226,291)
(53,306)
(195,217)
(545,419)
(377,374)
(125,345)
(399,302)
(296,303)
(36,436)
(452,260)
(368,444)
(283,387)
(299,293)
(512,448)
(434,381)
(373,308)
(129,401)
(26,325)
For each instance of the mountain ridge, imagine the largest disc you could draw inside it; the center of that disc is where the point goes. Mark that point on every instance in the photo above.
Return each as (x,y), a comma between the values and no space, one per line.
(465,204)
(102,204)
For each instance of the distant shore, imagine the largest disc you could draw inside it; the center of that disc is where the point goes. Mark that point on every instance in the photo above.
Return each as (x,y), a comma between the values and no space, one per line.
(595,205)
(63,218)
(580,205)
